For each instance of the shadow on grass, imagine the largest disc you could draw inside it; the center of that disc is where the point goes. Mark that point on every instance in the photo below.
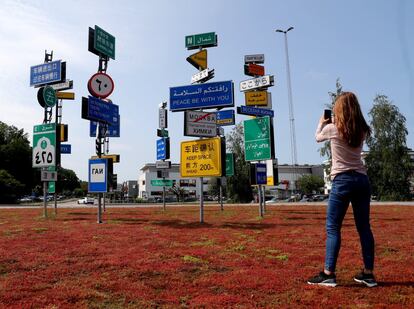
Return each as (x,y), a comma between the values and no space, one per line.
(127,220)
(354,285)
(77,219)
(81,214)
(180,224)
(248,226)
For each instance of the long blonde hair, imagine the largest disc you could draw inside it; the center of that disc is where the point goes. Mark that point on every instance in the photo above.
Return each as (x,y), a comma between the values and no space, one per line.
(349,120)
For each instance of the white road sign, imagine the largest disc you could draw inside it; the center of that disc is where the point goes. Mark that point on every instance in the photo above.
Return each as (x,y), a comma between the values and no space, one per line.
(201,124)
(68,84)
(100,85)
(48,176)
(202,76)
(163,164)
(254,83)
(258,58)
(162,119)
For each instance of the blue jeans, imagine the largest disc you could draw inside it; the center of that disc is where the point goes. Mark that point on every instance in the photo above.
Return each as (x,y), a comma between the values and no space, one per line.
(348,187)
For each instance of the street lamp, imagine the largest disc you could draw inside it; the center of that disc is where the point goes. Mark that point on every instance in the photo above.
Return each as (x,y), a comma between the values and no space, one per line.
(294,157)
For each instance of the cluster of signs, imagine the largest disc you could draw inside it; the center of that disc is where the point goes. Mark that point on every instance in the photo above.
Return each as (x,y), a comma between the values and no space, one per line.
(102,113)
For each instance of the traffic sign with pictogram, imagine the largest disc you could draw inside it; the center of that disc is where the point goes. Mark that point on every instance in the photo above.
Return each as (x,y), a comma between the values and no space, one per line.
(101,85)
(199,59)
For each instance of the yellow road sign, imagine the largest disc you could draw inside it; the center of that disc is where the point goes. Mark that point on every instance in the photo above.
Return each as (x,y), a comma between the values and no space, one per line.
(65,95)
(201,158)
(256,98)
(199,59)
(115,157)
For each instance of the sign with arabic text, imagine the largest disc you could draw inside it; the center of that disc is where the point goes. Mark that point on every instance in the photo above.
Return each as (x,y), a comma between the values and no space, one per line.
(44,145)
(259,98)
(194,41)
(257,139)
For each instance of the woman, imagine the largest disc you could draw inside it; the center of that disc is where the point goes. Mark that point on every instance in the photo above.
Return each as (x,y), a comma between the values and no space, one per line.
(350,184)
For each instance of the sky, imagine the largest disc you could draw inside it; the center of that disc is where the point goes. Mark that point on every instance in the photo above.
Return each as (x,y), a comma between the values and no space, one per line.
(368,45)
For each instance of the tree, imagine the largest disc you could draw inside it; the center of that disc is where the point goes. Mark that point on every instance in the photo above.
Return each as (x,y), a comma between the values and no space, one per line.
(388,161)
(67,180)
(309,183)
(10,188)
(178,192)
(238,185)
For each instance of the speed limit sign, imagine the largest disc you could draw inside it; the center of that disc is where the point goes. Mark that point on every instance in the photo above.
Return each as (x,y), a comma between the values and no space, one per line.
(100,85)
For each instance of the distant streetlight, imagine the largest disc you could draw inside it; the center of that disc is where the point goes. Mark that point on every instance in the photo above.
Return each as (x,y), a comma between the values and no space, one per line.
(291,114)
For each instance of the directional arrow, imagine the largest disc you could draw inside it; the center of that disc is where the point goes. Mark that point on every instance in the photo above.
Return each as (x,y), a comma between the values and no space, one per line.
(199,59)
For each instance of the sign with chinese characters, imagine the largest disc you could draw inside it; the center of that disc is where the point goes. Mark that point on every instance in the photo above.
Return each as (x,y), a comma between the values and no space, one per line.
(49,96)
(254,83)
(258,58)
(225,117)
(229,164)
(44,145)
(201,124)
(98,110)
(199,59)
(161,182)
(209,95)
(254,111)
(101,85)
(98,175)
(104,42)
(45,73)
(202,157)
(194,41)
(259,98)
(257,139)
(112,130)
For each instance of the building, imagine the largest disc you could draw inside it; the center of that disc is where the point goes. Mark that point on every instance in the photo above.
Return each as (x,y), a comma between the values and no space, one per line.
(130,189)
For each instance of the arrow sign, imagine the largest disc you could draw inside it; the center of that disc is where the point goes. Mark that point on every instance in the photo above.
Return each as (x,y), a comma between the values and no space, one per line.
(199,59)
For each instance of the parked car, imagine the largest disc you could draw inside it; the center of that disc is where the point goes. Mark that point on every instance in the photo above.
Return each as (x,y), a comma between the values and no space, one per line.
(27,199)
(86,200)
(272,201)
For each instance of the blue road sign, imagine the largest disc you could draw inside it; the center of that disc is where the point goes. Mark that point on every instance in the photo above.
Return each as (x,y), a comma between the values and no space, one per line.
(208,95)
(98,176)
(113,130)
(45,73)
(100,110)
(261,177)
(162,149)
(65,148)
(225,117)
(254,111)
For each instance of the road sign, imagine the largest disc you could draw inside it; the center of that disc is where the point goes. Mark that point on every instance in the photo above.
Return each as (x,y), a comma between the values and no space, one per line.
(48,176)
(65,148)
(258,139)
(99,110)
(258,58)
(272,172)
(161,182)
(65,95)
(252,69)
(201,124)
(258,174)
(116,158)
(194,41)
(254,111)
(256,98)
(202,76)
(163,148)
(254,83)
(45,73)
(104,42)
(209,95)
(46,96)
(225,117)
(44,145)
(162,118)
(163,164)
(98,176)
(101,85)
(66,85)
(162,133)
(199,59)
(202,157)
(229,164)
(51,187)
(112,130)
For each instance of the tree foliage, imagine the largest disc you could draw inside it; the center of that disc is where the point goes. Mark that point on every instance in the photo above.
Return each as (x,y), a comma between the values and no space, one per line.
(67,180)
(388,160)
(10,188)
(238,185)
(309,183)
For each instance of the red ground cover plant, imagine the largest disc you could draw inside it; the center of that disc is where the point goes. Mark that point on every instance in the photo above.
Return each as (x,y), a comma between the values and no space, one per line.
(144,257)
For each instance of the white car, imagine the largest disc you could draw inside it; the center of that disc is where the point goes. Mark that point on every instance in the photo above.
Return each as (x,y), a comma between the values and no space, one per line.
(86,200)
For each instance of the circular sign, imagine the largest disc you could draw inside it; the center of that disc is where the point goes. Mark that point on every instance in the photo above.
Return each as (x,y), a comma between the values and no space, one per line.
(49,96)
(100,85)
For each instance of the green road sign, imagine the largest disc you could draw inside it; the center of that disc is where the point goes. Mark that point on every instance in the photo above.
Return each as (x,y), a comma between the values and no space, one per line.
(162,133)
(49,96)
(229,164)
(257,139)
(104,42)
(51,187)
(194,41)
(44,145)
(162,183)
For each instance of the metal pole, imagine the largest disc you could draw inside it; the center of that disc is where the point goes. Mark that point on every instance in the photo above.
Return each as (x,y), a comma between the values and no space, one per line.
(104,202)
(259,193)
(163,197)
(99,208)
(201,200)
(55,197)
(264,199)
(44,199)
(221,195)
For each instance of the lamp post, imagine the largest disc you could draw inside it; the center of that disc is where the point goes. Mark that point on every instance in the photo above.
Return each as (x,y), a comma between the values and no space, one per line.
(294,157)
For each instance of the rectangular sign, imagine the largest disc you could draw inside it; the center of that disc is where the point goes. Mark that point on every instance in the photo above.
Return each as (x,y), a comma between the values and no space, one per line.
(104,42)
(225,117)
(229,164)
(161,182)
(258,58)
(44,145)
(257,139)
(66,85)
(261,177)
(254,83)
(202,157)
(51,187)
(162,118)
(209,95)
(65,95)
(201,124)
(252,69)
(116,158)
(202,76)
(255,111)
(45,73)
(98,176)
(163,164)
(112,131)
(162,133)
(48,176)
(66,148)
(259,98)
(163,148)
(99,110)
(194,41)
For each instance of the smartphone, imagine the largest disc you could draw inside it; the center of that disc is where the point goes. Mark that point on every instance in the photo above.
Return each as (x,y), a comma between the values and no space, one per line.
(327,114)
